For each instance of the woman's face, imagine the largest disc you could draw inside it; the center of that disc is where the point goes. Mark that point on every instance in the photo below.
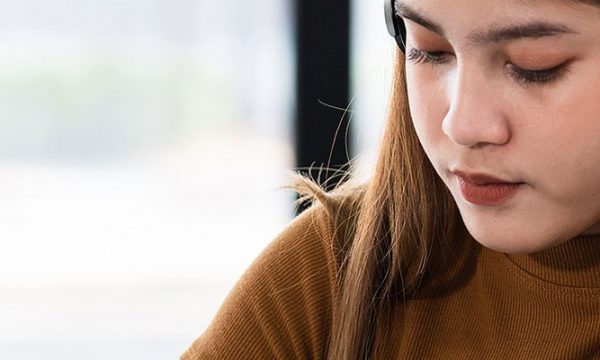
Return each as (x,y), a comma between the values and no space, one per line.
(505,98)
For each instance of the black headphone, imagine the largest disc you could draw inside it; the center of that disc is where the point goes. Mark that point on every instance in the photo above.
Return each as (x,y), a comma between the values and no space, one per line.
(395,24)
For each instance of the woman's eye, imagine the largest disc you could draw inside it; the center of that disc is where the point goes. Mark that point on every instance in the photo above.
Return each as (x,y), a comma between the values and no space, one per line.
(525,76)
(417,56)
(540,77)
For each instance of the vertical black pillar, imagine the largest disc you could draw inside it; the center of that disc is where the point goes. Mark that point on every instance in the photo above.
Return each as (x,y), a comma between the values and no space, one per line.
(322,77)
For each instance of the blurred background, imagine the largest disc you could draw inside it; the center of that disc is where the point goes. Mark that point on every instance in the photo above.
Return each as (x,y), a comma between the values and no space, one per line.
(142,144)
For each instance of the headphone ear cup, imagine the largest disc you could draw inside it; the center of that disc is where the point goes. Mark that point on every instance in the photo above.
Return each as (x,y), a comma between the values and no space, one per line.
(401,38)
(395,24)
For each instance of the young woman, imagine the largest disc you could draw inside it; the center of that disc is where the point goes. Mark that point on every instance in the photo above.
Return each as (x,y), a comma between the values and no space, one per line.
(478,235)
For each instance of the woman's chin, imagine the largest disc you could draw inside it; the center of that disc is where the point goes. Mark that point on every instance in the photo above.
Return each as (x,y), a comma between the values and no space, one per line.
(513,241)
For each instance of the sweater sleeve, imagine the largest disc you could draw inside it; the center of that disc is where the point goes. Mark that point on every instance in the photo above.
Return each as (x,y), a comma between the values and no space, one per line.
(281,308)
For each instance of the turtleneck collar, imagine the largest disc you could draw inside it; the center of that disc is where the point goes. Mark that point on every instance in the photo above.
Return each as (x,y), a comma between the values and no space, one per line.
(574,263)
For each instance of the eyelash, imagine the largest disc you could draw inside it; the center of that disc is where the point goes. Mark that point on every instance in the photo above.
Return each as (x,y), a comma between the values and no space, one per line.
(431,57)
(539,77)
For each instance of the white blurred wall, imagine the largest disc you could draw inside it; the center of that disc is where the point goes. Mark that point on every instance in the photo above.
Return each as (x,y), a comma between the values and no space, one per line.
(141,146)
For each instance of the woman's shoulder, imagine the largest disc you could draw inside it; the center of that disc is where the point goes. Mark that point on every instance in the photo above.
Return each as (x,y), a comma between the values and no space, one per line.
(306,247)
(282,306)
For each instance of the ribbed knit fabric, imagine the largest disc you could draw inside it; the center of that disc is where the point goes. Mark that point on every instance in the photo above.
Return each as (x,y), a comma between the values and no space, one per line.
(489,305)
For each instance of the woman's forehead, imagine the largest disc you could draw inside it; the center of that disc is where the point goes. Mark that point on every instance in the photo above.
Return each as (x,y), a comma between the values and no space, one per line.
(442,15)
(483,4)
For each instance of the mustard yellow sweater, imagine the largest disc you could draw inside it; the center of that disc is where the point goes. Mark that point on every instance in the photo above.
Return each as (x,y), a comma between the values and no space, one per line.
(493,306)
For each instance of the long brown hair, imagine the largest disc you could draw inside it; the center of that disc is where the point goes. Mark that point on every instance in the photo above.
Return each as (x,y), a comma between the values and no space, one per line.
(405,210)
(392,234)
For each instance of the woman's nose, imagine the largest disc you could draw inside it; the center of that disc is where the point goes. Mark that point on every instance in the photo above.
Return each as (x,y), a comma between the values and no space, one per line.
(475,116)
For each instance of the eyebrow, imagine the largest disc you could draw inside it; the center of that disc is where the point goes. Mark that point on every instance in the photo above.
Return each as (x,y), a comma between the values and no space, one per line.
(536,29)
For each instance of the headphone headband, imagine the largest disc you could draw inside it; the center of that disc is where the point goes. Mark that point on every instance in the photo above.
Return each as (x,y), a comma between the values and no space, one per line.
(395,24)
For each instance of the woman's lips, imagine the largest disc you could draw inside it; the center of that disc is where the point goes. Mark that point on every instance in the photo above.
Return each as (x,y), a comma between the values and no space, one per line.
(482,189)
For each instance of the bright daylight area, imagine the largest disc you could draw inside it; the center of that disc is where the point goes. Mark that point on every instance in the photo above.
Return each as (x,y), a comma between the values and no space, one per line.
(142,145)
